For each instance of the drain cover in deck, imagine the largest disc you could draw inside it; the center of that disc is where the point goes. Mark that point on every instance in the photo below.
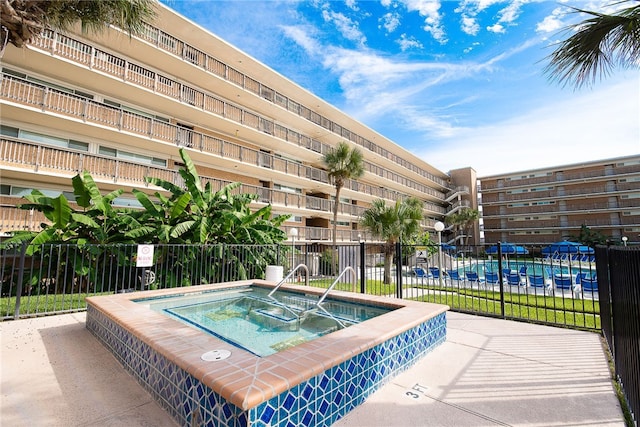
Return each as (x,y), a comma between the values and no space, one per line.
(213,355)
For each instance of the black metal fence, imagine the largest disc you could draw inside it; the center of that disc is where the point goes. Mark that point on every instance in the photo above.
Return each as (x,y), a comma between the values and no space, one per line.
(511,282)
(571,286)
(619,271)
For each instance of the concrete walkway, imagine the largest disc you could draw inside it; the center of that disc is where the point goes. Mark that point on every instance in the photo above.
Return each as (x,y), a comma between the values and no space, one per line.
(490,372)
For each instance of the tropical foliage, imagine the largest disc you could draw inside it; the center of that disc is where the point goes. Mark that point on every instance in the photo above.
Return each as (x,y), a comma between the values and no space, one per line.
(213,225)
(22,20)
(596,45)
(590,237)
(397,223)
(463,221)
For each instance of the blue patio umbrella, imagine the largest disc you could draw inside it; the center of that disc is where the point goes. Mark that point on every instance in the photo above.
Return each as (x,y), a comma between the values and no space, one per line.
(566,247)
(508,249)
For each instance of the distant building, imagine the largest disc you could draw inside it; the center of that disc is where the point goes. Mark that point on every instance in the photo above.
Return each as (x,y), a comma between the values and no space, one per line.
(552,204)
(120,107)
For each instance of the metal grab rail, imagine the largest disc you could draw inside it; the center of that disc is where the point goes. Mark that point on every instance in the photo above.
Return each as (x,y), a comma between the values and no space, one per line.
(288,276)
(324,295)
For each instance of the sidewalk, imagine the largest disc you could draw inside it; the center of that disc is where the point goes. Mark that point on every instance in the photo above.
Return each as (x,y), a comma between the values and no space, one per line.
(490,372)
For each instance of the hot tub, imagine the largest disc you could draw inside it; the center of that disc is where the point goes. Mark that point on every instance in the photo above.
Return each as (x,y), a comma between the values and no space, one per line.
(202,378)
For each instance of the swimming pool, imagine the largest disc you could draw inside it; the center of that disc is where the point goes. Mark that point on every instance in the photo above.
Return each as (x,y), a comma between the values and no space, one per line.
(201,379)
(533,268)
(252,319)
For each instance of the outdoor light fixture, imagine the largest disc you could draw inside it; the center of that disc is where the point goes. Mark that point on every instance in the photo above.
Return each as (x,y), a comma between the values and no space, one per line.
(624,240)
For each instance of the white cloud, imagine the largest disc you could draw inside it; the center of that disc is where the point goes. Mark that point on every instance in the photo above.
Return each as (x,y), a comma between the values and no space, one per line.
(301,36)
(407,43)
(552,23)
(585,126)
(351,4)
(496,28)
(390,21)
(430,10)
(470,25)
(510,13)
(345,26)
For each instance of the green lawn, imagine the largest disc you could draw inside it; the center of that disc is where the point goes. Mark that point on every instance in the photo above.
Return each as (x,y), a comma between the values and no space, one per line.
(546,309)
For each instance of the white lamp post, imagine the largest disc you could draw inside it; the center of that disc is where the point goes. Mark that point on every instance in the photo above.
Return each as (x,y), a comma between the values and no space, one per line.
(293,233)
(439,226)
(624,240)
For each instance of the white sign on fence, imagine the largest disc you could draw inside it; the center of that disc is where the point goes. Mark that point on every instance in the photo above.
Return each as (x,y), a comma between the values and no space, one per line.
(145,256)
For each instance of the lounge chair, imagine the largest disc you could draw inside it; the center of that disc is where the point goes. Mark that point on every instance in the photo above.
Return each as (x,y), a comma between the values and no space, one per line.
(435,274)
(420,273)
(589,284)
(523,273)
(537,281)
(514,279)
(454,275)
(580,277)
(563,281)
(473,278)
(491,278)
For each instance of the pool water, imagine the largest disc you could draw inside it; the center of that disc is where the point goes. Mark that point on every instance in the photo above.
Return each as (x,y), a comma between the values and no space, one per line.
(533,268)
(261,324)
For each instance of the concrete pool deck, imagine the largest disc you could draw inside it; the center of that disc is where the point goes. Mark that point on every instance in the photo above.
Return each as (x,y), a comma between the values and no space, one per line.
(489,372)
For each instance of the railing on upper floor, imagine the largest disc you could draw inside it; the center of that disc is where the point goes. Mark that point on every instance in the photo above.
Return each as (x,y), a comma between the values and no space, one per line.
(20,91)
(565,177)
(70,48)
(41,158)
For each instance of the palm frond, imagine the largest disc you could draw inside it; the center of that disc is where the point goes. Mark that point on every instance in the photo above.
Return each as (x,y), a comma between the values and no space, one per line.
(598,44)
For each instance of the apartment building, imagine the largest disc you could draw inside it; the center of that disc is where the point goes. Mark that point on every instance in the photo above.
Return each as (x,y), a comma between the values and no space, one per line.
(120,107)
(552,204)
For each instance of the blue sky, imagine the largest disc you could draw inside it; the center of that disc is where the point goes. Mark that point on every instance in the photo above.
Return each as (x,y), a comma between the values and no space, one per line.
(458,83)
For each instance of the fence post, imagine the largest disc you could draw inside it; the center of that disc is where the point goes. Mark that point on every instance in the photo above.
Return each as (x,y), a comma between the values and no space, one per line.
(23,252)
(501,278)
(363,269)
(399,270)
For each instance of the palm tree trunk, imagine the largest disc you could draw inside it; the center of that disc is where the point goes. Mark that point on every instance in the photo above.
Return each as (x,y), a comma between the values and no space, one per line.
(387,269)
(335,230)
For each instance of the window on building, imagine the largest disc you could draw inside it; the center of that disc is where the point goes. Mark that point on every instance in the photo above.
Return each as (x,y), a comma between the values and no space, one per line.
(287,189)
(53,140)
(134,157)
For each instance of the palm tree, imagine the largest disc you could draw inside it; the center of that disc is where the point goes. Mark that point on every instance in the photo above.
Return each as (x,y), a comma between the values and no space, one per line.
(343,163)
(393,224)
(22,20)
(596,45)
(464,220)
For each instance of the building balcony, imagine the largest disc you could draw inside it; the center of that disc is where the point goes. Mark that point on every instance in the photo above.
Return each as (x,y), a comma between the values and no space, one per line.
(86,55)
(48,100)
(15,219)
(564,178)
(17,156)
(569,208)
(557,194)
(493,226)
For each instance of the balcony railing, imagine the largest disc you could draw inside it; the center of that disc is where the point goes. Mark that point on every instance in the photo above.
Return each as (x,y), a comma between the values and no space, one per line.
(560,194)
(191,54)
(40,158)
(578,208)
(13,218)
(492,225)
(47,99)
(564,177)
(87,55)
